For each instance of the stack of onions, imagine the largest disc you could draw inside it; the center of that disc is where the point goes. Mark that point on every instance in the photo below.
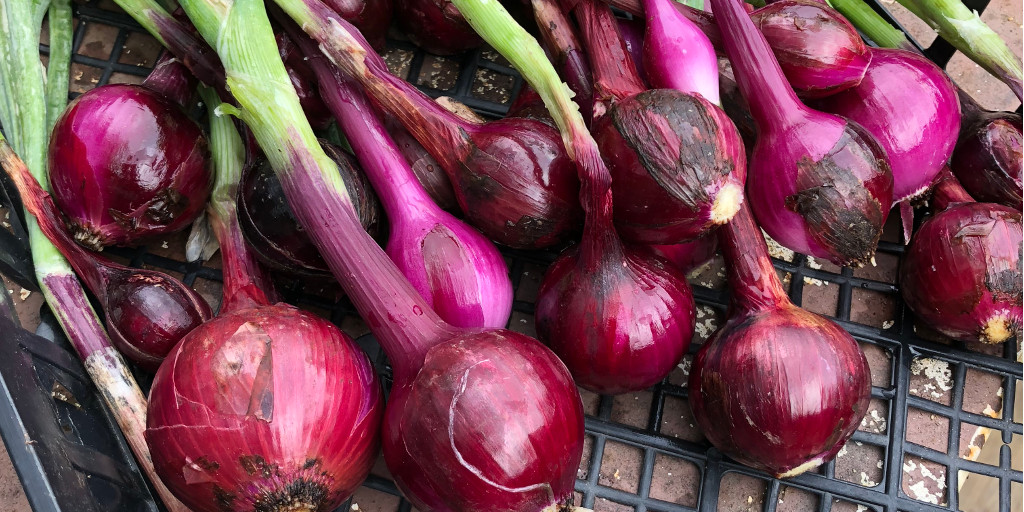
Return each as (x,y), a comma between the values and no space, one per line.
(962,271)
(820,184)
(125,162)
(265,407)
(458,271)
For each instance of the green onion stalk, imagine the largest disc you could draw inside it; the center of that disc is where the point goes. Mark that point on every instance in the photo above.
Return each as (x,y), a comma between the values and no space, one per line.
(964,29)
(29,105)
(178,36)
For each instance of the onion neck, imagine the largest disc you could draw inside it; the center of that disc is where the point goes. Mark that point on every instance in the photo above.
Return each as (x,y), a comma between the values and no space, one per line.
(773,104)
(386,167)
(171,79)
(615,74)
(440,132)
(559,38)
(755,285)
(947,191)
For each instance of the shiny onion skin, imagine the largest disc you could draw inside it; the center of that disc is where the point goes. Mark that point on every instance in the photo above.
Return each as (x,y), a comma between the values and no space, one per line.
(437,26)
(676,54)
(125,164)
(987,159)
(371,17)
(910,107)
(271,230)
(302,80)
(475,429)
(690,255)
(961,273)
(818,50)
(776,388)
(264,409)
(819,184)
(620,323)
(427,171)
(672,156)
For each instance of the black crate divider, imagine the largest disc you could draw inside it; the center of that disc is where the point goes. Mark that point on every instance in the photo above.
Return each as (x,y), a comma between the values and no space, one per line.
(91,447)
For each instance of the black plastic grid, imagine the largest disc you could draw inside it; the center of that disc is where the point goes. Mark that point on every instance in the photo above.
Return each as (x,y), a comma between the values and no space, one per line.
(101,453)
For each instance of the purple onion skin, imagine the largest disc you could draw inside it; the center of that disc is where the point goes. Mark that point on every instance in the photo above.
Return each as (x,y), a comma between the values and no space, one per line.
(437,26)
(676,54)
(266,408)
(776,388)
(819,184)
(126,165)
(690,255)
(668,170)
(558,35)
(987,159)
(270,228)
(819,51)
(529,105)
(371,17)
(633,35)
(474,429)
(620,324)
(962,270)
(910,107)
(303,82)
(427,171)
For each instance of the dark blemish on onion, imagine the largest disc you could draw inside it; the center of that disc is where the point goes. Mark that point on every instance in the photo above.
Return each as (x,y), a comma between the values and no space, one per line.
(299,494)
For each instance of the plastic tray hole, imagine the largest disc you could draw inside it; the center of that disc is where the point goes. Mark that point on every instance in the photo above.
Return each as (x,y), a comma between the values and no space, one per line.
(632,408)
(885,268)
(983,393)
(140,49)
(931,379)
(977,492)
(917,28)
(976,443)
(492,86)
(583,472)
(876,420)
(741,493)
(677,421)
(368,500)
(675,480)
(439,73)
(710,275)
(681,373)
(591,401)
(98,41)
(820,296)
(924,480)
(620,467)
(488,54)
(606,505)
(708,320)
(523,323)
(84,78)
(794,499)
(1018,411)
(872,308)
(988,90)
(838,505)
(880,364)
(399,61)
(529,282)
(927,429)
(861,463)
(125,78)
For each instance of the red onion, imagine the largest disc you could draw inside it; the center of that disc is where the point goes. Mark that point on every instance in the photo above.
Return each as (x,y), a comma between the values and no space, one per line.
(270,228)
(146,312)
(430,175)
(690,255)
(961,273)
(530,105)
(477,419)
(677,55)
(820,184)
(988,155)
(511,176)
(303,82)
(561,42)
(371,17)
(673,156)
(777,388)
(126,164)
(436,26)
(265,408)
(910,106)
(632,32)
(460,273)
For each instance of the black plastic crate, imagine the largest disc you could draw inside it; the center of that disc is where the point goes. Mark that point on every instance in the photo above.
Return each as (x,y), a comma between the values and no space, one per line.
(71,457)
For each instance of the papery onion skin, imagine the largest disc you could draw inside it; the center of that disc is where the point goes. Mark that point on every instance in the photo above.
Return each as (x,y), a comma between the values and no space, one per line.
(503,429)
(962,275)
(371,17)
(818,50)
(987,159)
(677,164)
(910,107)
(743,373)
(125,164)
(292,403)
(621,325)
(430,175)
(437,26)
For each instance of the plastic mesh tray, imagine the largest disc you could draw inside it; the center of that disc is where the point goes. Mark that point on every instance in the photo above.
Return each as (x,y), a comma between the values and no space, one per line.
(642,451)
